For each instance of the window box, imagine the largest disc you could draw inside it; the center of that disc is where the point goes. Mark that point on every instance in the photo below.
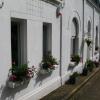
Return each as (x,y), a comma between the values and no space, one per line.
(19,75)
(48,64)
(15,84)
(47,71)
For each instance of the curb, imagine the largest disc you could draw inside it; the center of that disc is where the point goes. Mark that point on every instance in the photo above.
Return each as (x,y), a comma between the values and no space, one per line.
(81,85)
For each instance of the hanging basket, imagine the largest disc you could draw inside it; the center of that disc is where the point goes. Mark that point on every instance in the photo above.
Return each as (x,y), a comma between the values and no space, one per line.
(88,41)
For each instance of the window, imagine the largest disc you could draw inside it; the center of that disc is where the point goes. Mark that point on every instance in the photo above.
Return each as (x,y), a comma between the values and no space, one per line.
(89,35)
(47,39)
(96,37)
(19,41)
(75,38)
(89,28)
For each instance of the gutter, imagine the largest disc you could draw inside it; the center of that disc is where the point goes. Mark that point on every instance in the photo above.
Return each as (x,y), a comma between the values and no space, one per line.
(59,14)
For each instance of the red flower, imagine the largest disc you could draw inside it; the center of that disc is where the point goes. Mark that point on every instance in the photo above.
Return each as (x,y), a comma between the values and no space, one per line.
(12,78)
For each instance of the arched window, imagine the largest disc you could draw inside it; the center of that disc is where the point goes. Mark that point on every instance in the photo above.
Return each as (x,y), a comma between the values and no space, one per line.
(89,28)
(74,38)
(96,37)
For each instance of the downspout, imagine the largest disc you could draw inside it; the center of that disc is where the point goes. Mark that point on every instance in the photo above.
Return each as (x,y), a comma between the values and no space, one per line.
(99,38)
(59,14)
(83,36)
(93,34)
(61,48)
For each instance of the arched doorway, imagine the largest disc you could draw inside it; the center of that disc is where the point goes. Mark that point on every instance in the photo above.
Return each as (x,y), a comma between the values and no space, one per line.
(89,36)
(75,37)
(89,28)
(96,37)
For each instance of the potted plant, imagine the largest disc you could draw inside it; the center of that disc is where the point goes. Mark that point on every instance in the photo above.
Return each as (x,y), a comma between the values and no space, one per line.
(90,65)
(75,58)
(96,63)
(88,41)
(72,79)
(48,64)
(19,74)
(85,71)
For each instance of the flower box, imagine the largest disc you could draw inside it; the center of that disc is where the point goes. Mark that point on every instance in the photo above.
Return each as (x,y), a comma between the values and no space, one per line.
(19,75)
(48,64)
(43,71)
(47,71)
(16,84)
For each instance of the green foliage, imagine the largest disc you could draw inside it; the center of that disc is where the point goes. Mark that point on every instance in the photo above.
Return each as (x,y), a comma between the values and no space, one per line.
(90,65)
(19,71)
(75,58)
(88,41)
(49,61)
(74,75)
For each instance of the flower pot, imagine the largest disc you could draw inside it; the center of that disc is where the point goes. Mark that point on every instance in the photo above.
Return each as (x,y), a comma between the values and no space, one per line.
(88,44)
(85,72)
(72,80)
(96,64)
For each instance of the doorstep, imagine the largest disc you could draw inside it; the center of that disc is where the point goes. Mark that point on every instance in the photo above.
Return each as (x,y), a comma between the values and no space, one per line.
(66,91)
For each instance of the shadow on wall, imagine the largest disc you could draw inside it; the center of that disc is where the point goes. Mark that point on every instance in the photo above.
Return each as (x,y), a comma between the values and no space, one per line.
(7,93)
(40,77)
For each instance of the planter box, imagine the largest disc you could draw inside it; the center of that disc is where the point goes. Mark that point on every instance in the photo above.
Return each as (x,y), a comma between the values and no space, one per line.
(44,71)
(47,71)
(71,65)
(16,84)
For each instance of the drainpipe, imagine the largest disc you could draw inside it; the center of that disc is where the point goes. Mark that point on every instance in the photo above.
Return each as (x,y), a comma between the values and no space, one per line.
(93,34)
(59,14)
(61,48)
(99,38)
(83,36)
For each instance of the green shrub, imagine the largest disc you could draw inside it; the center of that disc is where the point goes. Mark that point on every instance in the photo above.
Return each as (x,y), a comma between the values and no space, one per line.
(90,65)
(75,58)
(48,62)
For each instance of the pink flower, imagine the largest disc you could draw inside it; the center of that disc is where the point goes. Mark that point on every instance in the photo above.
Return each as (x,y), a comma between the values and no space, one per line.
(12,78)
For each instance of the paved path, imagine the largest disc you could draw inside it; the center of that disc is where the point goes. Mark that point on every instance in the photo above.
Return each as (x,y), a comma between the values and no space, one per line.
(91,91)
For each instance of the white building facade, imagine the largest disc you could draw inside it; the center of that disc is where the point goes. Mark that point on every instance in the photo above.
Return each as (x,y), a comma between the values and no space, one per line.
(25,27)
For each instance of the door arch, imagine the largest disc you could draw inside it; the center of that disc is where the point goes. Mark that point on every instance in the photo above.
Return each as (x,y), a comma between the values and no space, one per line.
(75,36)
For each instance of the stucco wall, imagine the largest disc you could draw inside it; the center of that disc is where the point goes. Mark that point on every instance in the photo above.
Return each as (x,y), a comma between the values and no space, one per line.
(36,12)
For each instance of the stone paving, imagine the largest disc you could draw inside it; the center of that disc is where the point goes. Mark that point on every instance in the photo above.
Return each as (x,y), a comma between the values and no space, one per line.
(91,90)
(85,93)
